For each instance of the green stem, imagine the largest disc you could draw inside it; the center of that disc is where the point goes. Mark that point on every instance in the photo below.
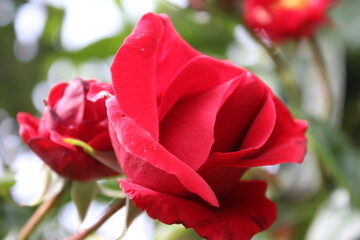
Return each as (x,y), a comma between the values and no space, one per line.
(325,81)
(40,213)
(109,212)
(286,77)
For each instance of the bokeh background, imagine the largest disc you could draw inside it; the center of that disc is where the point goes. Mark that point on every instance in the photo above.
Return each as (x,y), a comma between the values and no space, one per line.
(43,42)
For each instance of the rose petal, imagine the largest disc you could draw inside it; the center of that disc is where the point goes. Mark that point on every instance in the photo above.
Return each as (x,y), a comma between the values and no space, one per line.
(244,124)
(187,131)
(58,138)
(28,126)
(101,142)
(241,214)
(56,93)
(95,100)
(261,127)
(70,108)
(99,91)
(223,179)
(75,165)
(147,163)
(49,121)
(88,129)
(246,119)
(287,143)
(148,60)
(198,75)
(94,111)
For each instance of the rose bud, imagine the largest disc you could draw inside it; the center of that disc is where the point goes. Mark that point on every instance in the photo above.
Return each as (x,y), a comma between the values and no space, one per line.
(70,123)
(186,127)
(282,20)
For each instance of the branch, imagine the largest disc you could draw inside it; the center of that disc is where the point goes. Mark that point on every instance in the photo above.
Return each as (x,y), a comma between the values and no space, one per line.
(109,212)
(40,213)
(325,81)
(281,67)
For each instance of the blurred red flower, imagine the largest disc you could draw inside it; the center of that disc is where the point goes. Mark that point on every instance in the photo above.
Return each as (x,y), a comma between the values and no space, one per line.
(281,20)
(70,114)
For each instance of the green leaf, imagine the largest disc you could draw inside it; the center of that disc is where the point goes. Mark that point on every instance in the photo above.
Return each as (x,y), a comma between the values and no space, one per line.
(82,193)
(175,232)
(6,182)
(110,188)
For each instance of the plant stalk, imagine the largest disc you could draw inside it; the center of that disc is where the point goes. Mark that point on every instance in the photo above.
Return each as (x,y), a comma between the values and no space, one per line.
(109,212)
(325,81)
(286,77)
(40,213)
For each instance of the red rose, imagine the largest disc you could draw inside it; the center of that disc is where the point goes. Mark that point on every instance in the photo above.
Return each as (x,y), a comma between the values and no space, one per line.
(286,19)
(185,127)
(70,114)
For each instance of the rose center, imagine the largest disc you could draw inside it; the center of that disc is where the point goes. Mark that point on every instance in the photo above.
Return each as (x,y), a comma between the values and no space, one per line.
(293,4)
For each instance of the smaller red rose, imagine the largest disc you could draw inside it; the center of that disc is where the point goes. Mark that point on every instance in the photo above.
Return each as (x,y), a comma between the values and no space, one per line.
(286,19)
(73,111)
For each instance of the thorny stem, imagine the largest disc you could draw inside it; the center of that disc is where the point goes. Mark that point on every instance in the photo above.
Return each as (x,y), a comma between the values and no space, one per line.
(320,65)
(40,213)
(109,212)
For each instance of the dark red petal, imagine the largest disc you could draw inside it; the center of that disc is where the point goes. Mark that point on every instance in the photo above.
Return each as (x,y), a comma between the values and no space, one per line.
(49,121)
(187,131)
(172,53)
(244,124)
(198,75)
(95,109)
(223,179)
(147,163)
(101,142)
(144,66)
(287,143)
(99,91)
(75,165)
(246,119)
(56,93)
(244,212)
(262,126)
(88,129)
(222,169)
(58,138)
(70,108)
(28,126)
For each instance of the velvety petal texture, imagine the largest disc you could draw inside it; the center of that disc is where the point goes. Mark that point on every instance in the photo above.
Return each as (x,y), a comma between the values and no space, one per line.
(242,213)
(281,20)
(73,110)
(185,127)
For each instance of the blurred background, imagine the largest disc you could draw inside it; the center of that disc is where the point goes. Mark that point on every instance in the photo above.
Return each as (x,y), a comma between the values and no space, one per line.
(43,42)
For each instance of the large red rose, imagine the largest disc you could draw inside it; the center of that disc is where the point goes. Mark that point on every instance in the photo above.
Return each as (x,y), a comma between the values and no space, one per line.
(185,127)
(70,114)
(286,19)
